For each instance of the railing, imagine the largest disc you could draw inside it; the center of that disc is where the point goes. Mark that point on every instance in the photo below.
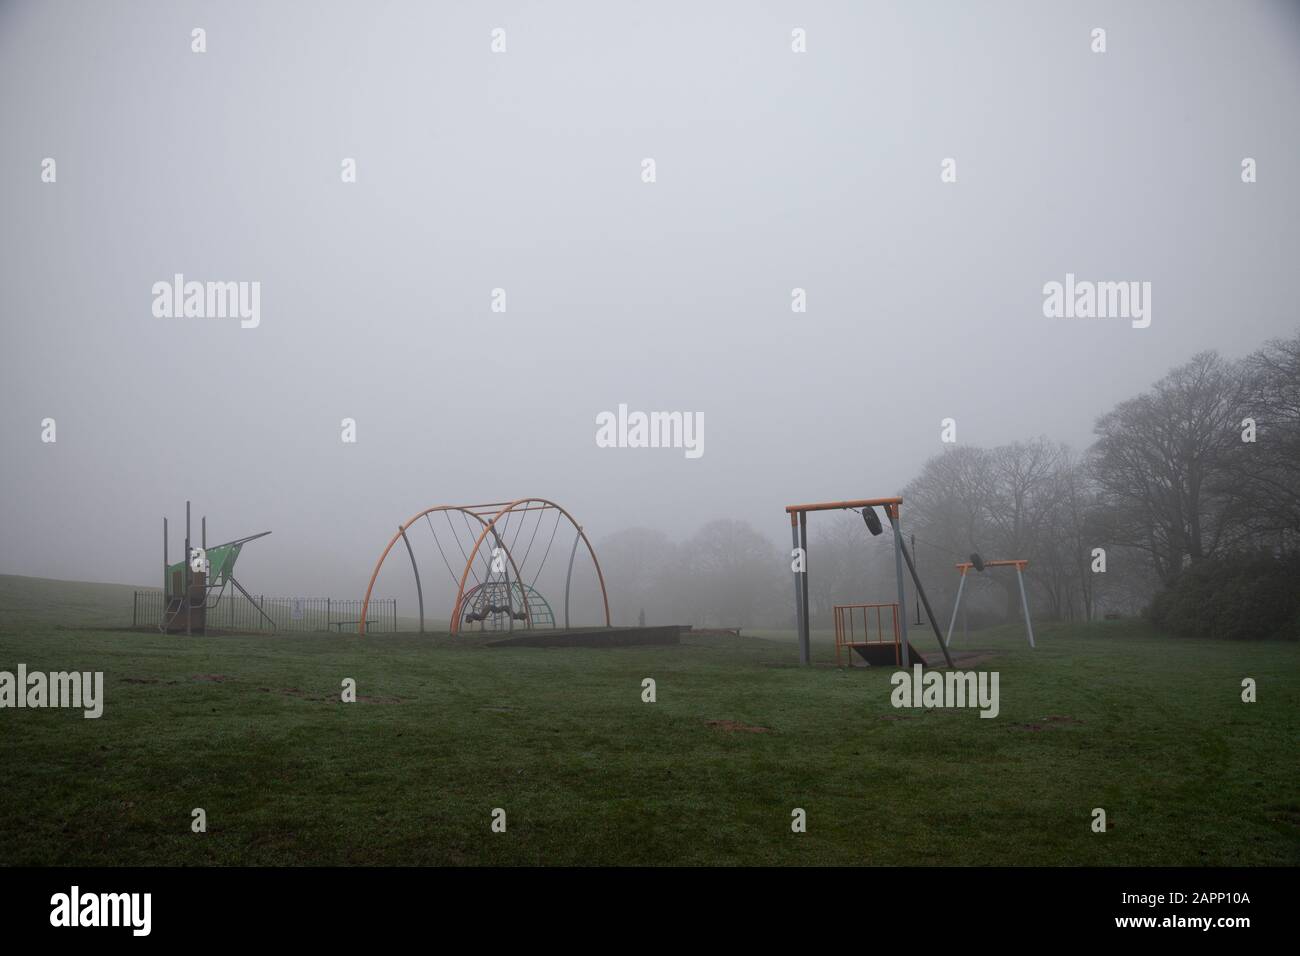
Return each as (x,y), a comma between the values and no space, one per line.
(234,612)
(847,635)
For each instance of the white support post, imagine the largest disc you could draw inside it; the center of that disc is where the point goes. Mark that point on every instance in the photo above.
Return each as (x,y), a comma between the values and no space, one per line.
(1024,602)
(904,650)
(961,585)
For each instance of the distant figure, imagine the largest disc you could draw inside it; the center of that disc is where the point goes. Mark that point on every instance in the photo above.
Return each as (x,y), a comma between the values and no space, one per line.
(640,618)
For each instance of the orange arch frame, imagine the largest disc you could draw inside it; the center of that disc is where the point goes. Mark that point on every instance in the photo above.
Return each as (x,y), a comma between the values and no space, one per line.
(497,510)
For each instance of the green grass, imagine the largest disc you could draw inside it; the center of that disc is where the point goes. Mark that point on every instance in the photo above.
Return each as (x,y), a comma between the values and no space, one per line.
(49,601)
(587,773)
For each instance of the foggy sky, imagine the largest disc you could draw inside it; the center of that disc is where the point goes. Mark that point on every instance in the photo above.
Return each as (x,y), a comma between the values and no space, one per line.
(522,171)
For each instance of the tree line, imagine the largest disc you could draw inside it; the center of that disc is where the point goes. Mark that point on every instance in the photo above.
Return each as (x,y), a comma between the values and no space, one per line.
(1187,506)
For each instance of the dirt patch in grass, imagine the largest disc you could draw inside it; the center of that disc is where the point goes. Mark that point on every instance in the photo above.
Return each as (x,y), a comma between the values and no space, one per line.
(212,678)
(735,726)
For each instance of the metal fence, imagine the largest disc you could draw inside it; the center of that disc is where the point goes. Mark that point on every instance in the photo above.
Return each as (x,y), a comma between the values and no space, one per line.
(234,612)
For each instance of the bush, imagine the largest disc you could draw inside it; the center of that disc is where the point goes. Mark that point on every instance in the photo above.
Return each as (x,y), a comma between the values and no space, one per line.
(1237,597)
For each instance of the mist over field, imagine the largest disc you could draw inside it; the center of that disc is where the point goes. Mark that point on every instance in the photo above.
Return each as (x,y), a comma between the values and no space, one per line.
(741,433)
(523,172)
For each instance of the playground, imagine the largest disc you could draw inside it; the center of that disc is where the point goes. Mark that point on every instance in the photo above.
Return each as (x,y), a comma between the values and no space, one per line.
(522,704)
(495,585)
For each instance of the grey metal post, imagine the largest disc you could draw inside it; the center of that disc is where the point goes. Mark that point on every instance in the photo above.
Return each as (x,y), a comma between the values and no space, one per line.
(912,564)
(510,600)
(186,576)
(924,599)
(905,657)
(960,586)
(257,603)
(798,590)
(419,591)
(505,574)
(569,578)
(166,586)
(805,635)
(204,532)
(1024,602)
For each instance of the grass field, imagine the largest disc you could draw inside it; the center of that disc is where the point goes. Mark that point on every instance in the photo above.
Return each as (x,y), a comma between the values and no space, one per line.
(252,730)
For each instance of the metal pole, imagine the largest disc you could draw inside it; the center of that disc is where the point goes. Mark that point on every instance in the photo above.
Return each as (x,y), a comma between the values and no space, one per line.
(960,585)
(805,635)
(187,569)
(419,592)
(505,575)
(1024,602)
(569,578)
(798,591)
(166,586)
(904,648)
(257,605)
(924,598)
(510,598)
(917,622)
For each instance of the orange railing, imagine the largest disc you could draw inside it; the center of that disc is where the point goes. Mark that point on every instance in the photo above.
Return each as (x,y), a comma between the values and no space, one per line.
(847,635)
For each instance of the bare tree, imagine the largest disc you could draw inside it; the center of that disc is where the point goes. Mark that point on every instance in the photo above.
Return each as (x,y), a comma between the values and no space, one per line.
(1062,547)
(1264,475)
(1162,459)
